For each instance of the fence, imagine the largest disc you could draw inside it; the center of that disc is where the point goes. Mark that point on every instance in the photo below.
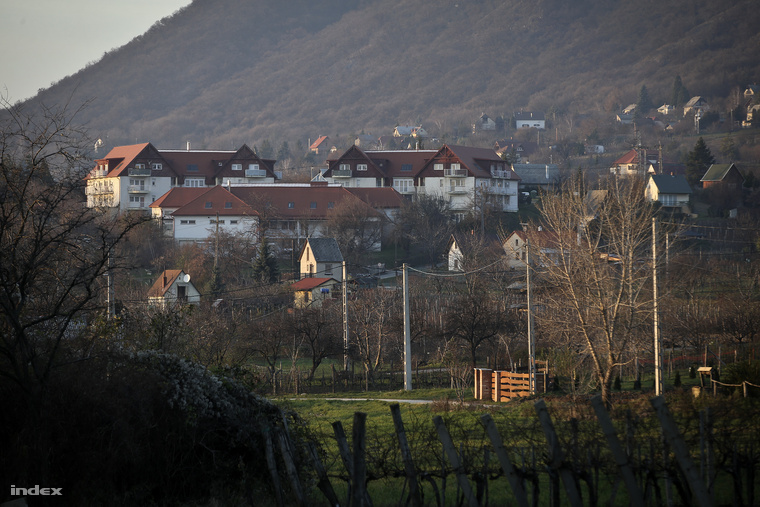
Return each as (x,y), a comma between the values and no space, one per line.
(498,385)
(674,465)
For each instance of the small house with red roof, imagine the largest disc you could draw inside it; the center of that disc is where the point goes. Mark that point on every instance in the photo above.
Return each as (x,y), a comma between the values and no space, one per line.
(321,257)
(313,292)
(544,247)
(173,288)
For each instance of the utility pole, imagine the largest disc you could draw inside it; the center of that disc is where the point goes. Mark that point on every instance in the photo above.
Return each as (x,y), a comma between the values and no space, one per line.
(111,293)
(344,286)
(407,334)
(531,344)
(657,358)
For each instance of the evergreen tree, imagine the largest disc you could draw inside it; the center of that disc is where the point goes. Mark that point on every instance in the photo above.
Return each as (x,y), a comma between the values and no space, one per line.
(698,161)
(284,151)
(680,93)
(265,267)
(644,104)
(266,149)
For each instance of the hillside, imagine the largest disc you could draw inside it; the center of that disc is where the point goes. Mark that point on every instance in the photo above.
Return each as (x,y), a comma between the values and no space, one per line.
(221,73)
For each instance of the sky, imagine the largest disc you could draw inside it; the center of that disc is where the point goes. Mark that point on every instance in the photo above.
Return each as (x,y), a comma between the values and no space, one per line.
(43,41)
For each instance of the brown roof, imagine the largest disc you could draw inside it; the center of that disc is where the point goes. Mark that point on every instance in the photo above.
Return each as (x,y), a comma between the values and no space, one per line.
(477,161)
(163,283)
(310,283)
(293,202)
(178,197)
(378,197)
(218,200)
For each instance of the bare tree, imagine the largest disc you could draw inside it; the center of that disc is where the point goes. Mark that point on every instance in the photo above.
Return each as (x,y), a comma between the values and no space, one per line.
(55,251)
(357,228)
(600,271)
(320,333)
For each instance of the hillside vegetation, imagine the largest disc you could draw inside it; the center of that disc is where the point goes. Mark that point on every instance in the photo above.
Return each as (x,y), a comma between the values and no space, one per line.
(221,73)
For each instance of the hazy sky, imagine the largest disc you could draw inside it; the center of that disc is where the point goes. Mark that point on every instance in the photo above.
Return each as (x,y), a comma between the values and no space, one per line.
(43,41)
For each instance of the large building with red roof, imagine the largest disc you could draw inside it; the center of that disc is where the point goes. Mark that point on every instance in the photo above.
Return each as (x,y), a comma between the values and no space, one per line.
(461,175)
(130,178)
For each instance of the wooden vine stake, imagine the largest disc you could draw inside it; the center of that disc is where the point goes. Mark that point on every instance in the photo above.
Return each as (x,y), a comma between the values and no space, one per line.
(456,464)
(621,458)
(556,455)
(406,456)
(506,464)
(673,436)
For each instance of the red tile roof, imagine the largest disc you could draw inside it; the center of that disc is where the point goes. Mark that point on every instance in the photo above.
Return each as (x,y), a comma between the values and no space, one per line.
(178,197)
(295,202)
(218,200)
(384,197)
(310,283)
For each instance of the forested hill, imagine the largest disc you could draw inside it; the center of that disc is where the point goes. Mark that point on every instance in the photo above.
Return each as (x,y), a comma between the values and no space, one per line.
(221,73)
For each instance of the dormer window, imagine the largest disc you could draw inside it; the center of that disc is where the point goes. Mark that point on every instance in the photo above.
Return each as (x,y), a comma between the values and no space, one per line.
(228,205)
(208,204)
(291,205)
(237,167)
(193,168)
(156,166)
(361,167)
(406,167)
(253,167)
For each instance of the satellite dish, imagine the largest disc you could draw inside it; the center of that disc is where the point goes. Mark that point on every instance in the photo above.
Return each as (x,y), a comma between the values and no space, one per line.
(186,278)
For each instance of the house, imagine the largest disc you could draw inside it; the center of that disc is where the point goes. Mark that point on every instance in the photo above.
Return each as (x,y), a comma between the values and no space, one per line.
(544,247)
(666,109)
(213,211)
(173,288)
(518,151)
(670,191)
(752,92)
(321,257)
(633,163)
(624,119)
(483,123)
(473,248)
(537,176)
(321,146)
(530,120)
(292,212)
(163,207)
(630,110)
(451,172)
(130,178)
(723,175)
(696,105)
(409,131)
(313,292)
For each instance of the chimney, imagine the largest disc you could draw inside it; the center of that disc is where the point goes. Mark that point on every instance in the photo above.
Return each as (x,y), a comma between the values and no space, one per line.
(188,146)
(164,275)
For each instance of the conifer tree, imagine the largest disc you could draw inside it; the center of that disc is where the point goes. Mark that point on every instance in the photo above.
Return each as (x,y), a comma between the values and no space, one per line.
(698,161)
(265,267)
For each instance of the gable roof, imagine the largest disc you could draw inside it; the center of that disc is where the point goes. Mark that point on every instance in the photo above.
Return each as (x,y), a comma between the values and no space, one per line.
(324,249)
(320,140)
(717,172)
(314,201)
(178,197)
(537,174)
(476,161)
(164,281)
(311,283)
(218,200)
(667,184)
(528,115)
(121,158)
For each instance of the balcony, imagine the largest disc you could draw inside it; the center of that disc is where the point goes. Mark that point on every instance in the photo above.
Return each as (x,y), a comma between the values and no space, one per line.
(455,173)
(502,174)
(341,173)
(90,190)
(457,190)
(137,189)
(255,173)
(144,171)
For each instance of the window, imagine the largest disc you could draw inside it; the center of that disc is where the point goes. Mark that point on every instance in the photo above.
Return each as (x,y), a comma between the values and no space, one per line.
(213,221)
(153,181)
(345,167)
(313,205)
(253,167)
(187,222)
(139,166)
(228,205)
(438,167)
(361,167)
(454,167)
(193,168)
(330,205)
(195,182)
(291,205)
(237,167)
(407,167)
(233,222)
(328,269)
(209,204)
(156,166)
